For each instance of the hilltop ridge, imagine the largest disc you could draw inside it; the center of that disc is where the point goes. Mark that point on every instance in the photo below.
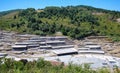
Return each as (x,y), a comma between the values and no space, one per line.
(74,21)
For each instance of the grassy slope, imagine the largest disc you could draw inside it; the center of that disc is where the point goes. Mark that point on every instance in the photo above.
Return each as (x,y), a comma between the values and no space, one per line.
(107,26)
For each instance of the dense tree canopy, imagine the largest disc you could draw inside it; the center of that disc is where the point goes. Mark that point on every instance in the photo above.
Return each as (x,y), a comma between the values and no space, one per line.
(74,21)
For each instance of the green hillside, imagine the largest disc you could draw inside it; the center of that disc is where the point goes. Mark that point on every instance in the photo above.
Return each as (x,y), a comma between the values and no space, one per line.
(9,11)
(74,21)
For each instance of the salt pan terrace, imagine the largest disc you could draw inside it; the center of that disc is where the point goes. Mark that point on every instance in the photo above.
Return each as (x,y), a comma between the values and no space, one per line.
(55,48)
(95,61)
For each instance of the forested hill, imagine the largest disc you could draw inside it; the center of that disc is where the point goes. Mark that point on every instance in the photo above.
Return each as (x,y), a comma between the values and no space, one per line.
(9,11)
(75,21)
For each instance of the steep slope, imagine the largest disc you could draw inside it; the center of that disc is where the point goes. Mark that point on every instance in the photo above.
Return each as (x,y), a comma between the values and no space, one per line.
(75,21)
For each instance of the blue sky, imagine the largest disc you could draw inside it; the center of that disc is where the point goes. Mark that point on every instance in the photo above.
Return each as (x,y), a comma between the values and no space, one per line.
(23,4)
